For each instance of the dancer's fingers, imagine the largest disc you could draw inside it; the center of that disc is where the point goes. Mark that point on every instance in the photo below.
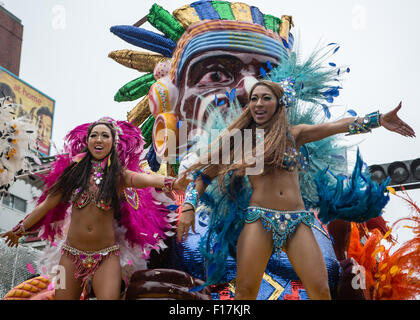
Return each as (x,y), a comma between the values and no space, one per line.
(186,232)
(179,233)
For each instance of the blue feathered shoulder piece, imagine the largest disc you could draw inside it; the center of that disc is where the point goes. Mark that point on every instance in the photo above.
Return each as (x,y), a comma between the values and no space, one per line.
(356,198)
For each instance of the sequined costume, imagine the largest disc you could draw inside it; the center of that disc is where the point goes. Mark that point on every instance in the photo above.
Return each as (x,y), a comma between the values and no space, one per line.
(82,199)
(354,198)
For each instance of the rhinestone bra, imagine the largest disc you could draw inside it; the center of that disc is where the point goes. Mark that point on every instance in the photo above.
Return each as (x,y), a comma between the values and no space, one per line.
(82,199)
(294,158)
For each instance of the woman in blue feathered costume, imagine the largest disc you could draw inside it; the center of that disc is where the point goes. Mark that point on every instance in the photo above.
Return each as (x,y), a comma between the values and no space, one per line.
(256,210)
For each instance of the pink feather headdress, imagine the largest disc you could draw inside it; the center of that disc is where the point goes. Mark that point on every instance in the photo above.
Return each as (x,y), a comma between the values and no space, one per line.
(128,141)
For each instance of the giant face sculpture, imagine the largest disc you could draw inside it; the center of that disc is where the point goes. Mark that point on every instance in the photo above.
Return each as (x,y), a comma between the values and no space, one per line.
(227,55)
(209,76)
(211,47)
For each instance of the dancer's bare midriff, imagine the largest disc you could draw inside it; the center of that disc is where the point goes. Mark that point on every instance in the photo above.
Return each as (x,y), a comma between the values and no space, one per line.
(279,190)
(91,228)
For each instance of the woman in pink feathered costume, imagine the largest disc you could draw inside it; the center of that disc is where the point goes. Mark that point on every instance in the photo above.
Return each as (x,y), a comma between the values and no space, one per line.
(117,216)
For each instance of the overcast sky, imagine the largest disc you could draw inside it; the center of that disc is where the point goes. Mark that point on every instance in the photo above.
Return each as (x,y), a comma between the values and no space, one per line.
(66,45)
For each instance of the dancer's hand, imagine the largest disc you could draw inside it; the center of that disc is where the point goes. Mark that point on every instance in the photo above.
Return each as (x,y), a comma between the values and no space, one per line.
(12,240)
(392,122)
(186,221)
(182,182)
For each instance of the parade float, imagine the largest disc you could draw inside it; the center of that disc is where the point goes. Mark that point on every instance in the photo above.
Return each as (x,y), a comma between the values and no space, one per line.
(207,54)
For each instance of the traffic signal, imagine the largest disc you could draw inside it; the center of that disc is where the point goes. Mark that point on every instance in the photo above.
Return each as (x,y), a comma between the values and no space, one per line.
(403,173)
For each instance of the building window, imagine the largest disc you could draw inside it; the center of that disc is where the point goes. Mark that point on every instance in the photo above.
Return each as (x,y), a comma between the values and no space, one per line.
(11,201)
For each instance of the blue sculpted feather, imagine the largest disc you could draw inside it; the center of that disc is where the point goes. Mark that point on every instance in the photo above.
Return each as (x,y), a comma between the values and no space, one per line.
(356,198)
(154,164)
(145,39)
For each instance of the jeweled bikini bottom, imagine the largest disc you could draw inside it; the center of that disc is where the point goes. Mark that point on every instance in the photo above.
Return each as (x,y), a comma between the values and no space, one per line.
(282,224)
(87,262)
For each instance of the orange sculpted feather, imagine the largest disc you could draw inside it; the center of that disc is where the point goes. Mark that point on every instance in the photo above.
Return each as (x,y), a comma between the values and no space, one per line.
(390,276)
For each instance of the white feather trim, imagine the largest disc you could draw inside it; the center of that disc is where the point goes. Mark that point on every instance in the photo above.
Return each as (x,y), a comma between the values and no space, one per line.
(17,138)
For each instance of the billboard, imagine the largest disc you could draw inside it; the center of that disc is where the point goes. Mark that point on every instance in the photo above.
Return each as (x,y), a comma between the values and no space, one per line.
(32,103)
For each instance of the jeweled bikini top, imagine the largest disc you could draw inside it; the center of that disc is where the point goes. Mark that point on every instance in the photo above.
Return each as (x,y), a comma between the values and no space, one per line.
(82,199)
(293,158)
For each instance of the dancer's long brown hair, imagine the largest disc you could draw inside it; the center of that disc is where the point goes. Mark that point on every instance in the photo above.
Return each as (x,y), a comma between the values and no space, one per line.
(275,140)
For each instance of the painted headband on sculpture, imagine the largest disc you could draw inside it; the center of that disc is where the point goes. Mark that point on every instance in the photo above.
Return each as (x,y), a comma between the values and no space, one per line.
(232,41)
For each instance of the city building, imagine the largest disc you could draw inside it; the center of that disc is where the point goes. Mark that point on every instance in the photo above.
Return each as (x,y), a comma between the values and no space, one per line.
(11,35)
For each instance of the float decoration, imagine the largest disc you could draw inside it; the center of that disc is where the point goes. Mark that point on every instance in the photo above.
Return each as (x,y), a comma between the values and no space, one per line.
(175,28)
(389,275)
(141,61)
(135,89)
(37,288)
(203,17)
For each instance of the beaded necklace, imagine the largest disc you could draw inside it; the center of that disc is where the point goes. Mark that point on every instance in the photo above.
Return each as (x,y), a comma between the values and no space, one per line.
(98,172)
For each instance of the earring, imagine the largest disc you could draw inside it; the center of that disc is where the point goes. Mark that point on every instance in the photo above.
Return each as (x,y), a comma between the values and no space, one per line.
(109,160)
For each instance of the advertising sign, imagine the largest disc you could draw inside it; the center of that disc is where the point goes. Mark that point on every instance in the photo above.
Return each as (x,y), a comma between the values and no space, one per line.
(32,103)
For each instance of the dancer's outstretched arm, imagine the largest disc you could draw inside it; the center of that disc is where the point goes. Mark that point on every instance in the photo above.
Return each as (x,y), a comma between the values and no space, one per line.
(143,180)
(12,236)
(390,120)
